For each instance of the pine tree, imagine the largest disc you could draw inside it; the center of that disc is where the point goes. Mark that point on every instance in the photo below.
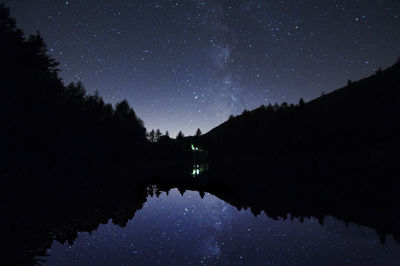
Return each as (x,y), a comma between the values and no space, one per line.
(198,132)
(301,102)
(180,136)
(152,136)
(158,135)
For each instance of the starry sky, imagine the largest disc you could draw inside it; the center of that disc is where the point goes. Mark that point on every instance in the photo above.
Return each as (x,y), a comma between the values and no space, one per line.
(189,230)
(184,65)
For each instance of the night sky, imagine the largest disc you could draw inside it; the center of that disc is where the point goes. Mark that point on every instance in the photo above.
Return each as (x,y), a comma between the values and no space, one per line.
(184,65)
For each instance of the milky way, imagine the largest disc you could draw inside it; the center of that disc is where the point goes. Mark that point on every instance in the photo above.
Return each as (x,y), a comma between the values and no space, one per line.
(189,64)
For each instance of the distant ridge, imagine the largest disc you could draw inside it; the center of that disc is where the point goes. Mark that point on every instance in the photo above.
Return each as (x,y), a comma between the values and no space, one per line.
(361,119)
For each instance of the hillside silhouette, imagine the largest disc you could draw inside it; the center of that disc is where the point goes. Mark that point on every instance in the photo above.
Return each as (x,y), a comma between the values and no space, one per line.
(357,126)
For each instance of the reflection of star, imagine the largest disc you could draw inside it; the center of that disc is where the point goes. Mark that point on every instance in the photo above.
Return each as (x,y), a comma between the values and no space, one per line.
(243,239)
(211,247)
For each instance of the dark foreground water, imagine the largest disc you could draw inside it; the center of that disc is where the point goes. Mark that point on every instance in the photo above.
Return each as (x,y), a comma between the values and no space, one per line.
(189,230)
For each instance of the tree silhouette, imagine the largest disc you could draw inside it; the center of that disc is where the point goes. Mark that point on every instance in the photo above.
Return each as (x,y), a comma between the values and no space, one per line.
(198,132)
(180,136)
(47,124)
(349,82)
(158,135)
(123,111)
(152,136)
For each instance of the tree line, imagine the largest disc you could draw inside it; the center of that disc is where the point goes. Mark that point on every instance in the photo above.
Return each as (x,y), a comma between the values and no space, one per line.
(51,127)
(47,125)
(155,136)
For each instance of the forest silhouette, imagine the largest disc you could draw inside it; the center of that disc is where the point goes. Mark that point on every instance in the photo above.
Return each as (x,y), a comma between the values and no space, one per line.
(71,161)
(50,127)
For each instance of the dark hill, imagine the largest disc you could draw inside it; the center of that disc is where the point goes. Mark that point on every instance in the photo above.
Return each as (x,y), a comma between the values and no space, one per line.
(357,125)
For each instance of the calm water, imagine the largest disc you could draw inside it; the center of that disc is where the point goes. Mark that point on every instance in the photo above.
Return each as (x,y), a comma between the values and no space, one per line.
(188,230)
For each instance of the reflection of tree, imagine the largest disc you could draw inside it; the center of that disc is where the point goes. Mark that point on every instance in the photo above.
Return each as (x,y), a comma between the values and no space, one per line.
(87,207)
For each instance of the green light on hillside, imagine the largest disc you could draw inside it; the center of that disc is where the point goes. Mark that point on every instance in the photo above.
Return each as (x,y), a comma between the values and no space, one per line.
(194,148)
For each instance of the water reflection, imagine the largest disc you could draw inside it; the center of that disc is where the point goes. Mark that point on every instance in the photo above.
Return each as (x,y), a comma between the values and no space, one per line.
(176,229)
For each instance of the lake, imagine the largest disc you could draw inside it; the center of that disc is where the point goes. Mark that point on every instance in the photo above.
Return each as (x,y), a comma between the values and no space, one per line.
(175,229)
